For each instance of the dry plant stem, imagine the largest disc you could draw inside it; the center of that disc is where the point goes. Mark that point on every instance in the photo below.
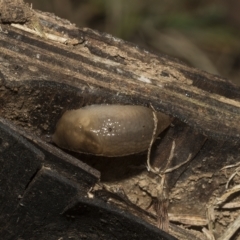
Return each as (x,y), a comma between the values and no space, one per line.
(166,170)
(231,177)
(170,157)
(162,206)
(232,228)
(208,234)
(187,219)
(162,203)
(210,217)
(226,195)
(157,171)
(231,205)
(179,165)
(155,120)
(163,199)
(230,166)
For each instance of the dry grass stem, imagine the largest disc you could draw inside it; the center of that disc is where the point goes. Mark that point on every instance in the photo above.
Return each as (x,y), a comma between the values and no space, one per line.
(231,229)
(155,120)
(226,195)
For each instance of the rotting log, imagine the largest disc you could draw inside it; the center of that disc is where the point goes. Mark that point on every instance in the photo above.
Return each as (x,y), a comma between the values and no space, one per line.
(48,65)
(96,62)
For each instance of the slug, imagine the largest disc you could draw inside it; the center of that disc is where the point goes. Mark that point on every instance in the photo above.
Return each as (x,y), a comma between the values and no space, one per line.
(109,130)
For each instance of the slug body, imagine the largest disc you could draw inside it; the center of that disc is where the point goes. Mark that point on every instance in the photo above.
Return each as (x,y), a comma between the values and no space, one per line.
(109,130)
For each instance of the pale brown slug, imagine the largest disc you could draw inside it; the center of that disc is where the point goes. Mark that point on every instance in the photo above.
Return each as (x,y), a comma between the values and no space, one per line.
(109,130)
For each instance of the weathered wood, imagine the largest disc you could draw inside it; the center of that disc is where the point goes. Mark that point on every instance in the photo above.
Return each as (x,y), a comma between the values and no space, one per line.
(19,161)
(41,187)
(46,155)
(100,64)
(48,66)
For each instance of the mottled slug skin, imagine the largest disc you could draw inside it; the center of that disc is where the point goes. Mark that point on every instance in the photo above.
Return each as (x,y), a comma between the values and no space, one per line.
(108,130)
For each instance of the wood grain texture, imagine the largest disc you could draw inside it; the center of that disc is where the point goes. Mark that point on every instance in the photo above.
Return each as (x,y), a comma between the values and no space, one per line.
(97,62)
(48,66)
